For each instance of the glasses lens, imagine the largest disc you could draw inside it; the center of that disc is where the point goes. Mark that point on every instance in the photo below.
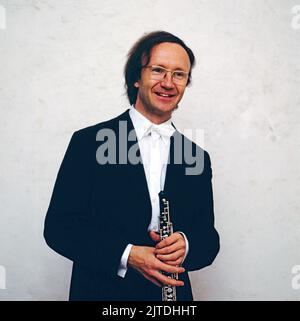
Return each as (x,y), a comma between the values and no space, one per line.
(179,75)
(158,73)
(180,78)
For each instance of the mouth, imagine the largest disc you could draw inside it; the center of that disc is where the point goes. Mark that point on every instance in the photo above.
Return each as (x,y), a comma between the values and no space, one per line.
(164,96)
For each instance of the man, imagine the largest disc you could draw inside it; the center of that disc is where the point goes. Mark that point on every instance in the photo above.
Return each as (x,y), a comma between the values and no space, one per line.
(104,211)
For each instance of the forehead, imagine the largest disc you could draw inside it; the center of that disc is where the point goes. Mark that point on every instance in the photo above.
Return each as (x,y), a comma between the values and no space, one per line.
(170,55)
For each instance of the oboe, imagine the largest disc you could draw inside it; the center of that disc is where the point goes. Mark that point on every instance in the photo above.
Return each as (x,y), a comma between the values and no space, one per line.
(166,229)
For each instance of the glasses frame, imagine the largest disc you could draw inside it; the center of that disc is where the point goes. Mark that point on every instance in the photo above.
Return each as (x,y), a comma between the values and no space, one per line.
(176,81)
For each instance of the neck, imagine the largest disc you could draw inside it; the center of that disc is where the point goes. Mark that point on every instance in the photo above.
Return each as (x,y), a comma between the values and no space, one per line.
(155,117)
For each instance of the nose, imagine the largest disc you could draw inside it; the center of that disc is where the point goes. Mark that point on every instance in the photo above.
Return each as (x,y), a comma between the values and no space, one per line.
(167,81)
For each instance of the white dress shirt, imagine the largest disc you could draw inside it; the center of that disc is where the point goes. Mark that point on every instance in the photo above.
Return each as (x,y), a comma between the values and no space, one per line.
(154,144)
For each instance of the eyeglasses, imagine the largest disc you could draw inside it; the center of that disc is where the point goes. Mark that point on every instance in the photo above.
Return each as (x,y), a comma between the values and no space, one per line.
(179,77)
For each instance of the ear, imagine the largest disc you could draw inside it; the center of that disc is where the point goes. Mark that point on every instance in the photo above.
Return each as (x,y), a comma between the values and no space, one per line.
(136,84)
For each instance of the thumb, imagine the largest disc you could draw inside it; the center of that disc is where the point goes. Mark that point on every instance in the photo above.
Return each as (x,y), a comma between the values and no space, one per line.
(154,236)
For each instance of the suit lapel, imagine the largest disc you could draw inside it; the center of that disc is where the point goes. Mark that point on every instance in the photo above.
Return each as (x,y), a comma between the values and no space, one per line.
(137,172)
(174,163)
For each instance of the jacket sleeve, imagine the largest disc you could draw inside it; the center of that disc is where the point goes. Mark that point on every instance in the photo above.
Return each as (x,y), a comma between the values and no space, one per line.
(71,228)
(203,238)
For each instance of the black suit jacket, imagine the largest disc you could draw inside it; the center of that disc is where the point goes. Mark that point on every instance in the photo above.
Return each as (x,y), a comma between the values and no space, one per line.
(96,210)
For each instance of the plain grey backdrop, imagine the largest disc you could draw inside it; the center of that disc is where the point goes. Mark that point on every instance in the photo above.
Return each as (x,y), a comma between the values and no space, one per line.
(61,69)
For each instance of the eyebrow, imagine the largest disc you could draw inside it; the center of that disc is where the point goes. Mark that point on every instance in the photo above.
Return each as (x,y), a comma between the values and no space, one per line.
(162,65)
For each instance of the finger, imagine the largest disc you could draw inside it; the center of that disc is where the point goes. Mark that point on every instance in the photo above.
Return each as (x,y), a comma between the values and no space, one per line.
(168,268)
(151,279)
(167,241)
(154,236)
(169,249)
(171,257)
(175,263)
(175,237)
(166,280)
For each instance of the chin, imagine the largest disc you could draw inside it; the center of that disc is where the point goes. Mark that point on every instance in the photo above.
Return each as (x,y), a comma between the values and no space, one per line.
(163,110)
(168,108)
(164,107)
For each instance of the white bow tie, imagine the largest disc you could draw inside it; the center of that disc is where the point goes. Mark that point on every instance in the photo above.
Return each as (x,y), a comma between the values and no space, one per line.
(163,130)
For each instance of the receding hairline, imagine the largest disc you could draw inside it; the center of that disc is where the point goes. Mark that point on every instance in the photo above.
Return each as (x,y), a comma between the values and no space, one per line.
(170,43)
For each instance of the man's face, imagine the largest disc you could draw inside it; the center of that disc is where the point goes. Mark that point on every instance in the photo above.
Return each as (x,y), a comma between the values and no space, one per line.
(150,101)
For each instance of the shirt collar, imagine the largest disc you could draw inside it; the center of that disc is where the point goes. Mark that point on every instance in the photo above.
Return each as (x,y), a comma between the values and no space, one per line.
(142,125)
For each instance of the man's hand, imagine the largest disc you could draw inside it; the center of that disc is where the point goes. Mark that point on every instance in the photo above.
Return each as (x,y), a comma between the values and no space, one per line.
(171,250)
(142,259)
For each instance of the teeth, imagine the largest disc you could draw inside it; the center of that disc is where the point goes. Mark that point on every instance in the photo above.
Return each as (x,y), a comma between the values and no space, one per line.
(164,95)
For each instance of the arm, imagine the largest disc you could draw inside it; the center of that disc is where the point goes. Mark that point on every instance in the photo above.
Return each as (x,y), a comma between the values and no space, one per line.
(203,240)
(202,235)
(71,229)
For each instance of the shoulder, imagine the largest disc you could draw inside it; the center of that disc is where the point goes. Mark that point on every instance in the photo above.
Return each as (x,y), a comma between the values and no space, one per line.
(89,133)
(196,159)
(195,148)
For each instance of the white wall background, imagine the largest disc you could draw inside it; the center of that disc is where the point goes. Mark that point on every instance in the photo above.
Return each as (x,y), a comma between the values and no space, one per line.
(61,64)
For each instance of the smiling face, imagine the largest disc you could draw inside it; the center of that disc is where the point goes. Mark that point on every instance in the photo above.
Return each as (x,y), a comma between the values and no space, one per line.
(157,99)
